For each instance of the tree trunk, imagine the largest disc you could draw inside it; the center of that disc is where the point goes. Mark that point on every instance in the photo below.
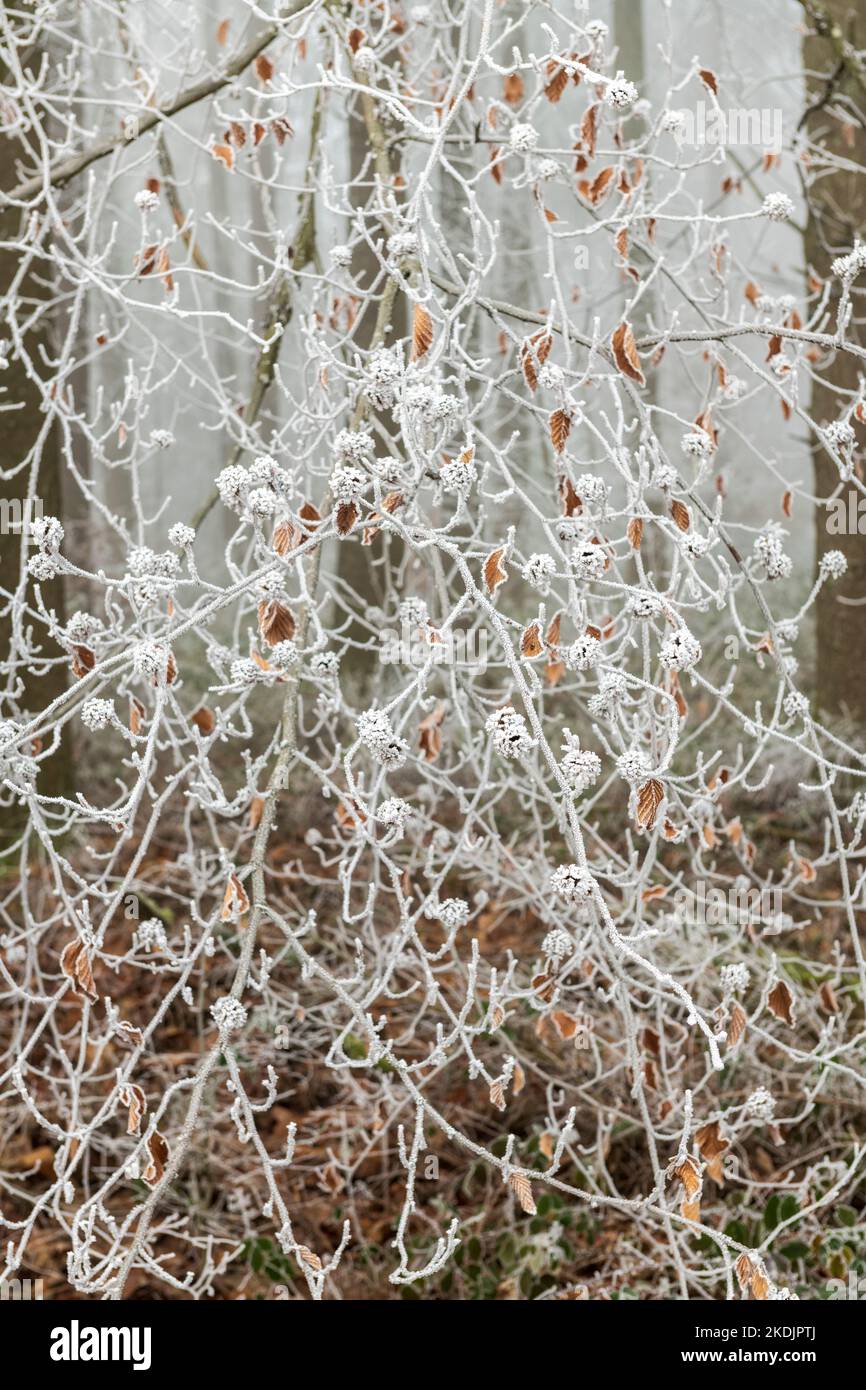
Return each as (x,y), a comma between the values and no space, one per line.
(19,435)
(354,566)
(837,216)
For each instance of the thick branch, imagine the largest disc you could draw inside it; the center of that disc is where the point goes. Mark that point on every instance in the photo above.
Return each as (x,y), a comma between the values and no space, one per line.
(59,173)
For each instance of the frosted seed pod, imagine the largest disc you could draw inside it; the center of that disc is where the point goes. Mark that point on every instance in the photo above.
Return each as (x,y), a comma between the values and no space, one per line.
(572,882)
(778,207)
(523,137)
(509,733)
(228,1014)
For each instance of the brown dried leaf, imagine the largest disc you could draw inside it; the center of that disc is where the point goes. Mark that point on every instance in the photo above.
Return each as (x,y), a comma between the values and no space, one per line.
(390,504)
(128,1036)
(827,995)
(734,831)
(557,84)
(283,539)
(588,130)
(760,1284)
(430,733)
(634,532)
(513,88)
(689,1174)
(808,872)
(571,503)
(522,1189)
(543,986)
(780,1002)
(309,518)
(276,622)
(157,1147)
(497,1095)
(711,1146)
(736,1026)
(348,817)
(83,660)
(136,715)
(134,1099)
(625,353)
(709,79)
(225,153)
(282,129)
(422,332)
(554,630)
(347,515)
(744,1269)
(534,353)
(204,719)
(163,266)
(146,261)
(596,190)
(681,514)
(531,644)
(264,68)
(560,428)
(235,900)
(497,1018)
(649,798)
(554,671)
(673,684)
(75,965)
(495,572)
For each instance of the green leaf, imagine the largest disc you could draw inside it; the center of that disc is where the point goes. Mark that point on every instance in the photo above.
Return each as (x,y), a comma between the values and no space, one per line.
(738,1232)
(795,1250)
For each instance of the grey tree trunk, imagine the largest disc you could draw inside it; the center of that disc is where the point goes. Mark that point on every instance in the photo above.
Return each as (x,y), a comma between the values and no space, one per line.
(19,438)
(354,562)
(837,216)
